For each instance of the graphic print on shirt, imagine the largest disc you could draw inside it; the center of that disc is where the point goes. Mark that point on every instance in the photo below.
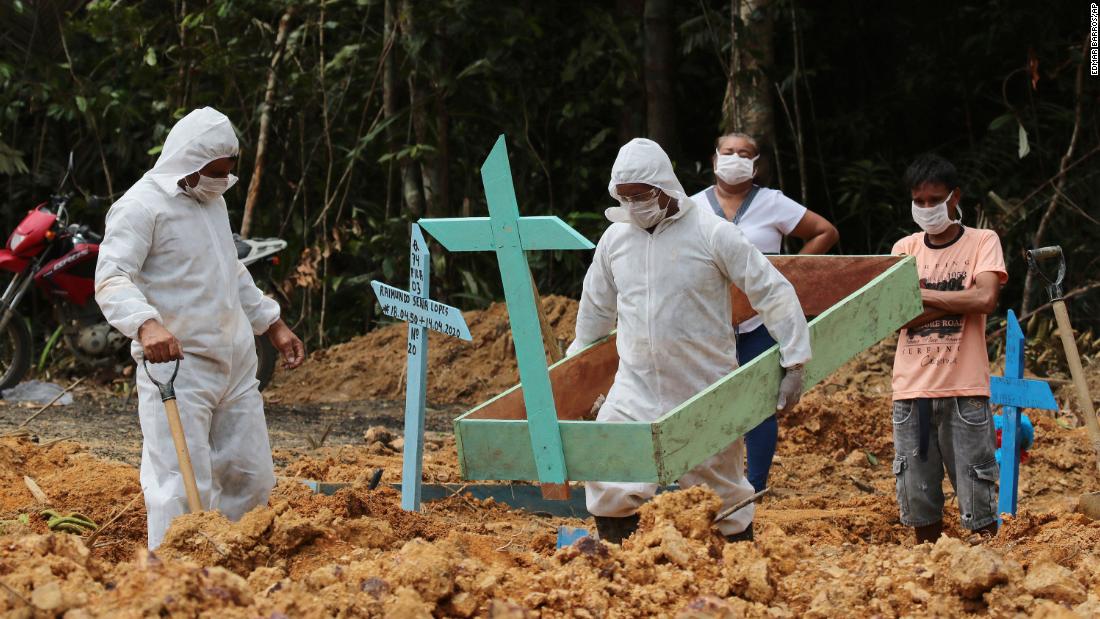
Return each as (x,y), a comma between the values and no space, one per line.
(937,341)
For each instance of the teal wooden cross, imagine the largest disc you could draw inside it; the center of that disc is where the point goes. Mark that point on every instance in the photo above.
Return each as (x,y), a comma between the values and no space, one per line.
(422,314)
(509,235)
(1013,392)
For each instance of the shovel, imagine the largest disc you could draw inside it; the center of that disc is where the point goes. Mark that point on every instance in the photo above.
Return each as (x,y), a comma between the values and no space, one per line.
(168,396)
(1090,503)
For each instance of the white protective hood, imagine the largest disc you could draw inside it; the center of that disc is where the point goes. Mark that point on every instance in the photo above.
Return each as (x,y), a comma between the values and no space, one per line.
(197,139)
(642,161)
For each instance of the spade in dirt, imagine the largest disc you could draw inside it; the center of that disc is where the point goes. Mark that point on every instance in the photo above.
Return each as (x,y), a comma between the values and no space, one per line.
(1090,503)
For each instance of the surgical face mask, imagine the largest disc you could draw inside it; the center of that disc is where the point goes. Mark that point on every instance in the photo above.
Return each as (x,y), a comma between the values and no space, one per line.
(734,168)
(645,209)
(209,188)
(647,213)
(934,219)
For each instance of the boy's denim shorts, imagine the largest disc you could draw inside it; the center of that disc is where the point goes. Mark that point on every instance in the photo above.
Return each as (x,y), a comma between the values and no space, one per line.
(961,441)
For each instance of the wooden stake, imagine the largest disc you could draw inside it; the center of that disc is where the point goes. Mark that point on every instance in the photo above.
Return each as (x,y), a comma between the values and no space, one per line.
(36,490)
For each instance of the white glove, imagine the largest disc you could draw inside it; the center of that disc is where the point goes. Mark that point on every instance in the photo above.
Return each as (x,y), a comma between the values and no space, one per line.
(790,389)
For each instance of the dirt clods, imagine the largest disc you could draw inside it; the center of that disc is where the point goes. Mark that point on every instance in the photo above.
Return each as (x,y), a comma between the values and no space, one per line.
(373,366)
(828,539)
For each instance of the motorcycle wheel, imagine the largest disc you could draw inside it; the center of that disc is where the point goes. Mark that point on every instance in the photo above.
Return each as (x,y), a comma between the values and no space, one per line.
(15,352)
(266,357)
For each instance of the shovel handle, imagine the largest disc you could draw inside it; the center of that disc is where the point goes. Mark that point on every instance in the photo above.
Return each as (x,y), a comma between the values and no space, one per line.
(179,440)
(1042,254)
(194,502)
(168,389)
(1045,253)
(1073,359)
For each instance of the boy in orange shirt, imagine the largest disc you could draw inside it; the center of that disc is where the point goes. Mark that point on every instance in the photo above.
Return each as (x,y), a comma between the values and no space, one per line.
(941,409)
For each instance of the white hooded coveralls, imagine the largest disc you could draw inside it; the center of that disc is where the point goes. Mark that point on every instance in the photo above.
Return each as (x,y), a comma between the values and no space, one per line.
(669,293)
(169,258)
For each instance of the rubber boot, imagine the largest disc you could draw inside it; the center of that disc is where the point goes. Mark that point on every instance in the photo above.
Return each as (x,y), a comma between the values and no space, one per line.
(743,536)
(615,530)
(928,533)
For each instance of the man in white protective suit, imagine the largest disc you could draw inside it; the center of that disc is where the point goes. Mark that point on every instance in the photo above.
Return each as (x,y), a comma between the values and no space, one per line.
(168,277)
(662,270)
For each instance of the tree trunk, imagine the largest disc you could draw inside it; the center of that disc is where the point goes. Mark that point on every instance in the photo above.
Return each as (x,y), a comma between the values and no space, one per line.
(729,101)
(799,136)
(410,173)
(443,156)
(389,94)
(185,68)
(748,106)
(265,124)
(631,113)
(418,107)
(660,102)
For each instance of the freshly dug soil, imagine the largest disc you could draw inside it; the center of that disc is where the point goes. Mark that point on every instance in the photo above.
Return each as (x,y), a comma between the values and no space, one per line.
(373,366)
(828,540)
(357,554)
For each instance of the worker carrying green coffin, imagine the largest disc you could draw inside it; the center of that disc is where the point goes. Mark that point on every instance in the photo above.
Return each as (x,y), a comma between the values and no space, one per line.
(661,273)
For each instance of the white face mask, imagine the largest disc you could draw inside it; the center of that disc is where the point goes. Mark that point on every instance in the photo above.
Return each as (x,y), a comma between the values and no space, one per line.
(734,169)
(934,219)
(209,188)
(648,213)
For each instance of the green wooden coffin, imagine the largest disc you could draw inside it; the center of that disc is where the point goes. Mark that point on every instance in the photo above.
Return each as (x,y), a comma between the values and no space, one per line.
(854,302)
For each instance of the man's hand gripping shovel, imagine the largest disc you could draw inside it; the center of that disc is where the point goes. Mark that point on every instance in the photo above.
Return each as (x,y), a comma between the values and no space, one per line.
(168,396)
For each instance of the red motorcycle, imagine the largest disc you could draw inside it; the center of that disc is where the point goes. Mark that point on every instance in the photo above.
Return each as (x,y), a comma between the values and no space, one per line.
(59,258)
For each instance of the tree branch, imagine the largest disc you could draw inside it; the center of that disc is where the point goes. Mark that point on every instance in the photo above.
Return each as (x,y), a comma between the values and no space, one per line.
(265,123)
(1069,295)
(1037,241)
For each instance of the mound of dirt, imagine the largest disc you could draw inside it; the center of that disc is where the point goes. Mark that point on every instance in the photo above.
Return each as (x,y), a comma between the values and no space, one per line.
(827,548)
(839,424)
(373,366)
(356,463)
(828,539)
(47,573)
(73,481)
(350,554)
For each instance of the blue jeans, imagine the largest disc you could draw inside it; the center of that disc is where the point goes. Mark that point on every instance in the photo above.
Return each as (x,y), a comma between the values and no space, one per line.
(961,440)
(760,441)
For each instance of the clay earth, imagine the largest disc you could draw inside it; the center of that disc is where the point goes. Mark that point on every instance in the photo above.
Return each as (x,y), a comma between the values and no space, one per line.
(828,540)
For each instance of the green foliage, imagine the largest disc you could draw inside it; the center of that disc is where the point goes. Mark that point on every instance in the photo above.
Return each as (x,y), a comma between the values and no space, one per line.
(566,83)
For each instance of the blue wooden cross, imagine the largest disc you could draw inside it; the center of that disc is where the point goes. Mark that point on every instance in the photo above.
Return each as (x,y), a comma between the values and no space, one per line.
(422,314)
(1013,392)
(509,235)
